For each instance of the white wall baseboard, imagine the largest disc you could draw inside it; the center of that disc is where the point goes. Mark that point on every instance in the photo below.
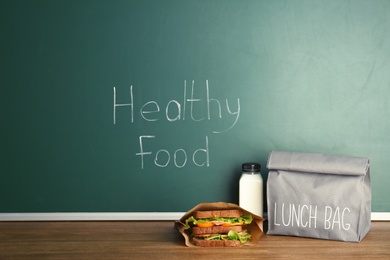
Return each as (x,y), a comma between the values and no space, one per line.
(380,216)
(120,216)
(90,216)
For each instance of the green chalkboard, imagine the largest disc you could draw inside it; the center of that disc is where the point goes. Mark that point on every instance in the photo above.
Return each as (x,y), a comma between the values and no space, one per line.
(152,106)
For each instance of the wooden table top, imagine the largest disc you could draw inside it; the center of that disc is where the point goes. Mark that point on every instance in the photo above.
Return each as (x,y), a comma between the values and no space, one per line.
(159,240)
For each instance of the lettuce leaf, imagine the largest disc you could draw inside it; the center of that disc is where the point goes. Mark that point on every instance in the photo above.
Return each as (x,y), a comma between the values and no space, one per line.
(243,237)
(247,219)
(232,235)
(189,220)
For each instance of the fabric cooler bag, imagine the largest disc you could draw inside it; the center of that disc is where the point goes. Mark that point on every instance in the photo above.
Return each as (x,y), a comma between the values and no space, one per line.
(318,195)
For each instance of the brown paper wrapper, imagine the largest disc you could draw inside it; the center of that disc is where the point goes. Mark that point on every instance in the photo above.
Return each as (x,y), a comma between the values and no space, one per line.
(255,227)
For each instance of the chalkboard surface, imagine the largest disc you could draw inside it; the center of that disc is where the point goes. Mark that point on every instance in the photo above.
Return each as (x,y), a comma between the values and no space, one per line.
(152,106)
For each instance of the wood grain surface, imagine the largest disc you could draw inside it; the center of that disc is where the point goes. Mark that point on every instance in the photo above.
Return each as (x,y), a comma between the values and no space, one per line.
(159,240)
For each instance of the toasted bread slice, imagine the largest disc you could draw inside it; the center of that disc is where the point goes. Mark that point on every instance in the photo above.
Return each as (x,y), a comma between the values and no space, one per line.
(227,213)
(214,230)
(216,243)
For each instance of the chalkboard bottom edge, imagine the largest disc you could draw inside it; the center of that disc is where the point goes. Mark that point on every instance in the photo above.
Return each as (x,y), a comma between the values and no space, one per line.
(121,216)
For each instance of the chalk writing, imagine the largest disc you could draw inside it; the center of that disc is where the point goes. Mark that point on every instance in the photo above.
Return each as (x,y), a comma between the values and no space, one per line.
(150,110)
(191,108)
(161,161)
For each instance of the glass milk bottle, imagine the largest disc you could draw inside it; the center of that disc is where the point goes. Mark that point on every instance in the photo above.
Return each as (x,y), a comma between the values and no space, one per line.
(251,189)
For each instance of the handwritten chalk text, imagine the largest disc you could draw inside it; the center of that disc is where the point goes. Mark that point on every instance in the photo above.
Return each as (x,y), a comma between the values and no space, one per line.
(186,109)
(192,108)
(163,157)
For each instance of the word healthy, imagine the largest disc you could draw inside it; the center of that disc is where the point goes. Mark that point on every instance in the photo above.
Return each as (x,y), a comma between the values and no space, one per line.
(189,108)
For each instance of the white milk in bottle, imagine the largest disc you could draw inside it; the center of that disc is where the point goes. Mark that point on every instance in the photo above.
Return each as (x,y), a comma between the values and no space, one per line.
(251,189)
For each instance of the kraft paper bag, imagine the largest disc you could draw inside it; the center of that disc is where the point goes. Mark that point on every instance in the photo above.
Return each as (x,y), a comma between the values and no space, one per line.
(319,196)
(255,228)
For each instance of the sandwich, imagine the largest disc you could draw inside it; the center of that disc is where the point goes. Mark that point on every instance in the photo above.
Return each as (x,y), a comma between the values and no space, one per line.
(218,228)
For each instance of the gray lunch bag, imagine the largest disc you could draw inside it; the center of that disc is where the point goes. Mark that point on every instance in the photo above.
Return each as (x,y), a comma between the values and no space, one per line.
(319,196)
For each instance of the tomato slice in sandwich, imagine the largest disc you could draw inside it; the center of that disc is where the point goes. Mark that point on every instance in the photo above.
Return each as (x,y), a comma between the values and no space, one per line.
(205,224)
